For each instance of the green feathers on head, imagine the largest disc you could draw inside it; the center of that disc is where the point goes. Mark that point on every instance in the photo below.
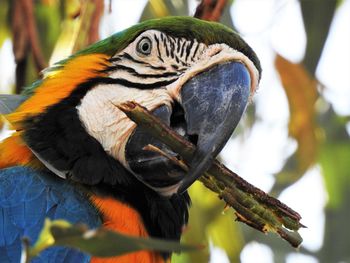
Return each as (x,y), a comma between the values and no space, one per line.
(176,26)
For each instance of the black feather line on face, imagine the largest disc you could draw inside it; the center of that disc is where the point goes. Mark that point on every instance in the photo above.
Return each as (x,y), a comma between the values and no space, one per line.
(129,84)
(133,72)
(134,60)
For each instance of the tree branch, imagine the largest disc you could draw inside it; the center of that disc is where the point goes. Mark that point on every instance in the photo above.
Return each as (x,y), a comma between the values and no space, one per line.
(30,25)
(210,10)
(253,206)
(95,21)
(20,45)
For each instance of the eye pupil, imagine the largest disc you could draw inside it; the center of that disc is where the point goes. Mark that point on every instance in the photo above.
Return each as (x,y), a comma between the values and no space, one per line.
(144,46)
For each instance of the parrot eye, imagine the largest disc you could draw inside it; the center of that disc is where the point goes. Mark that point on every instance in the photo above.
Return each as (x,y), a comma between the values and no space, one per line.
(144,46)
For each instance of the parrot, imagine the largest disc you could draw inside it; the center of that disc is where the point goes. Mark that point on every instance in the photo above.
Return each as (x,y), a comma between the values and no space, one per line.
(74,155)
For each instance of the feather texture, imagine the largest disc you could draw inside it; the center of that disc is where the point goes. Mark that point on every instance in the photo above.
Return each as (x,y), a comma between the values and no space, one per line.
(27,197)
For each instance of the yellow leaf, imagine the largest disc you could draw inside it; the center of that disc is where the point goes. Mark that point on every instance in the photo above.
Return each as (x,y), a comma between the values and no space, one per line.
(225,233)
(209,221)
(301,91)
(46,239)
(159,8)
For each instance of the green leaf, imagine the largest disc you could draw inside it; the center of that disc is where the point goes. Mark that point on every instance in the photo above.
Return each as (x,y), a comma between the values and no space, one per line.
(202,212)
(99,242)
(4,28)
(225,233)
(334,159)
(48,20)
(156,8)
(46,239)
(207,222)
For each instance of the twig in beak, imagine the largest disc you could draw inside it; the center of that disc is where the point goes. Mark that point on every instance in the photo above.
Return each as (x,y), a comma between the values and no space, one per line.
(253,206)
(176,161)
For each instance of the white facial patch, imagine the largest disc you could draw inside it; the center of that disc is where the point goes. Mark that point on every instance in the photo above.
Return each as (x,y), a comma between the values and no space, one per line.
(109,125)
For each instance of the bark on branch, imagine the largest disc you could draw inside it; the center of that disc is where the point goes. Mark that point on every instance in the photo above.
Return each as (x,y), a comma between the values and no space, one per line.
(210,10)
(28,11)
(93,34)
(252,206)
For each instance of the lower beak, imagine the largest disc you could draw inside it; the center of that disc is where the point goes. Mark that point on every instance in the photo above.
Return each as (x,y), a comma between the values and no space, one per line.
(213,103)
(148,166)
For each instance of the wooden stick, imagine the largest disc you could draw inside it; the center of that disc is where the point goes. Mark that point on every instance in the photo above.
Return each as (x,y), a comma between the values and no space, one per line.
(210,10)
(253,206)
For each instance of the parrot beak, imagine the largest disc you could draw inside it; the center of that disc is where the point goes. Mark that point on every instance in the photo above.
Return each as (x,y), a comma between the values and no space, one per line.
(213,104)
(209,109)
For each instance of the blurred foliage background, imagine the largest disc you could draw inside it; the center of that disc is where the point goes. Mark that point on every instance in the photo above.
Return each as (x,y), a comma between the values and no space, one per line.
(42,32)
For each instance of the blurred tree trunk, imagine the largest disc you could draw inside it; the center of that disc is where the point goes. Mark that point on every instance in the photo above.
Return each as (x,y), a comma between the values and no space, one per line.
(317,16)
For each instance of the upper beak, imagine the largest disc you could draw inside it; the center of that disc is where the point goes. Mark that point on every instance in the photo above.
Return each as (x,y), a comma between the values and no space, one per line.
(213,103)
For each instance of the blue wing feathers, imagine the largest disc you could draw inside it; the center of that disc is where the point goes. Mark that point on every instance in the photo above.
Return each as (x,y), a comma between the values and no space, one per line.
(8,231)
(27,197)
(9,254)
(61,254)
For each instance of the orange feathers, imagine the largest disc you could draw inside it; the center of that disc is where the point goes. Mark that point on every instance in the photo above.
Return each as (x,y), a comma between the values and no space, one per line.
(57,85)
(13,152)
(121,218)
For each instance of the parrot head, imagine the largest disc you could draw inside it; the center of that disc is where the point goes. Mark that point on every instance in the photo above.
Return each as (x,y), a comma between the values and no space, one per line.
(196,76)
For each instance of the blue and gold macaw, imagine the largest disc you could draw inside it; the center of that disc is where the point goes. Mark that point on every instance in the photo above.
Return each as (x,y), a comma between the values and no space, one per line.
(75,156)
